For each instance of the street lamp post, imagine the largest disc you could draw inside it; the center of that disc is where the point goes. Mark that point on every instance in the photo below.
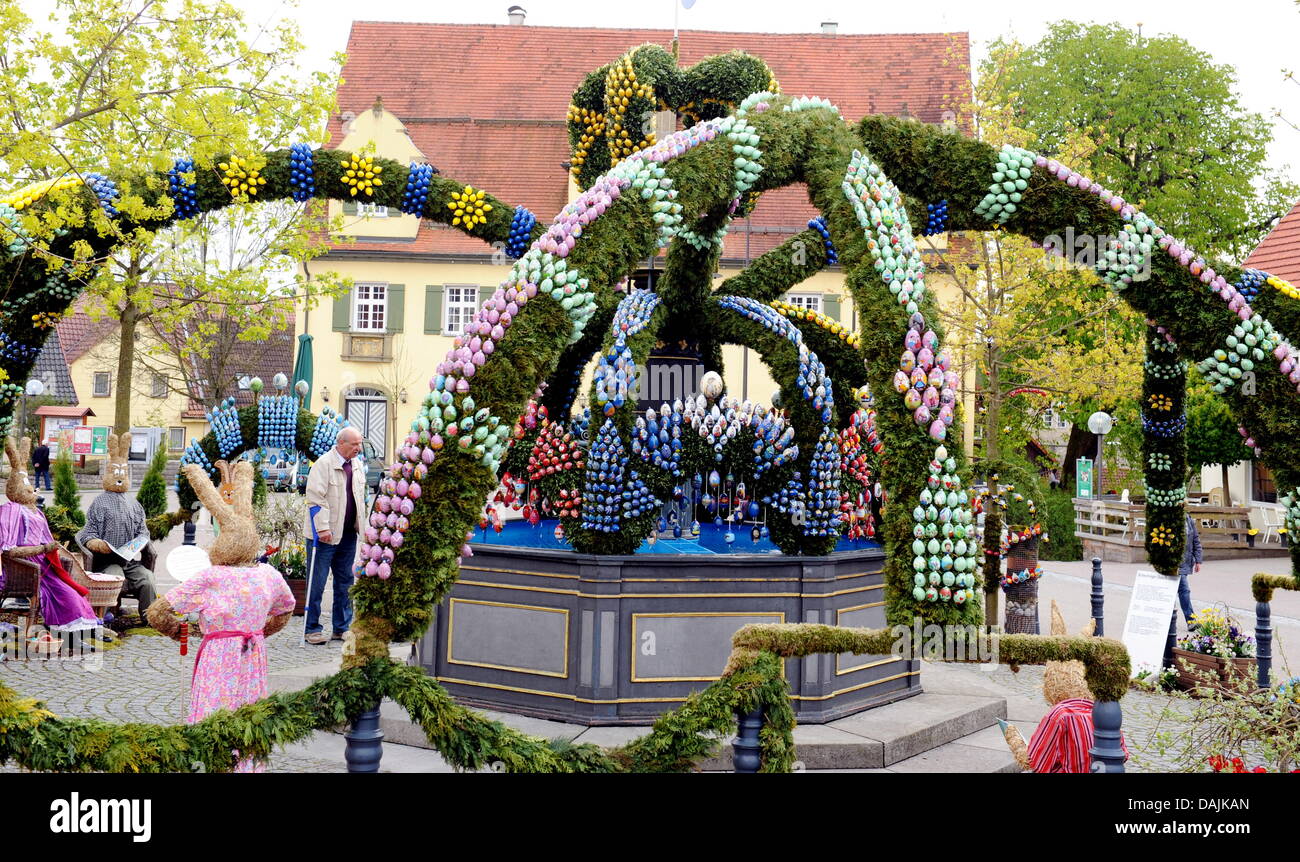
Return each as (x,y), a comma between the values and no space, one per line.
(35,389)
(1100,423)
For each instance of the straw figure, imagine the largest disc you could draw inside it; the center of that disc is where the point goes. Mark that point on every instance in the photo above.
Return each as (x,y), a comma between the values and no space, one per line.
(240,603)
(1064,736)
(25,534)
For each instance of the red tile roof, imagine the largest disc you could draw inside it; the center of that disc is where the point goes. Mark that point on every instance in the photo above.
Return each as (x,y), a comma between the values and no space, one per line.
(79,332)
(486,104)
(1279,253)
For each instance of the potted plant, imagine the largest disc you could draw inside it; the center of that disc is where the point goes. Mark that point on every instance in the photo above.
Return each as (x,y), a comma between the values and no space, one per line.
(281,522)
(1214,652)
(291,561)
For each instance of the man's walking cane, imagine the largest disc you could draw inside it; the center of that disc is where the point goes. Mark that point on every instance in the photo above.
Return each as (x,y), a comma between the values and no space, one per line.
(311,570)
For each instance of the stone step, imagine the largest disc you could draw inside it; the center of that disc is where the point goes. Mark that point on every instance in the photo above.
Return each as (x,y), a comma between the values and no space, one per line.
(951,728)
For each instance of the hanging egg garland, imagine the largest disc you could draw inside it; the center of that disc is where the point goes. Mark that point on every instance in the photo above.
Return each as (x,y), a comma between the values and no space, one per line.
(944,546)
(1011,579)
(521,231)
(936,219)
(1249,343)
(326,431)
(224,421)
(183,191)
(819,224)
(277,421)
(602,492)
(302,172)
(1010,179)
(105,191)
(416,193)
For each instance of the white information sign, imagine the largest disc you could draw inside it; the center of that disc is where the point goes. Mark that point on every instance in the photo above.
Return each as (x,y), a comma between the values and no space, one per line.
(1146,631)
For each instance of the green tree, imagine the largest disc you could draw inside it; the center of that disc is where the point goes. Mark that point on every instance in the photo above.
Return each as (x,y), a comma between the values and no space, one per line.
(1169,125)
(1212,435)
(152,495)
(66,496)
(95,92)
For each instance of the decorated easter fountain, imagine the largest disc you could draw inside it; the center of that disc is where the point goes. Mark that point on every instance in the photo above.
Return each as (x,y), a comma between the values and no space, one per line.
(595,629)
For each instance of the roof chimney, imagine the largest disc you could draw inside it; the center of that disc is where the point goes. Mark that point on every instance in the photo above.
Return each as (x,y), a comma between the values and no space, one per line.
(516,14)
(830,28)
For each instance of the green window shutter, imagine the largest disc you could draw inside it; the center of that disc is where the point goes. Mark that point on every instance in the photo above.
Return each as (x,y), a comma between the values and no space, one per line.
(433,309)
(484,294)
(343,312)
(396,307)
(831,306)
(350,208)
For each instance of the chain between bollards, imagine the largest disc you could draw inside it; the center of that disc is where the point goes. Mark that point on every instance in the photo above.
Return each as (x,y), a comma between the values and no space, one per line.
(1098,599)
(365,742)
(745,750)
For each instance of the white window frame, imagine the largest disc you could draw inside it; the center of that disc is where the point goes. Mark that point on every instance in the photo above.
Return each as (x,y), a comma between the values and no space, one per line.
(158,386)
(459,305)
(107,390)
(372,210)
(369,310)
(809,301)
(175,443)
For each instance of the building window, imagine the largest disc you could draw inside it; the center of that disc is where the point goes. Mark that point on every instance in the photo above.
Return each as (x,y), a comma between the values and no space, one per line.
(810,301)
(1262,487)
(103,385)
(461,303)
(159,386)
(372,210)
(175,439)
(369,307)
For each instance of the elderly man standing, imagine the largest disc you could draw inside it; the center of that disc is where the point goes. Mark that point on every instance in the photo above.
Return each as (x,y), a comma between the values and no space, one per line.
(336,507)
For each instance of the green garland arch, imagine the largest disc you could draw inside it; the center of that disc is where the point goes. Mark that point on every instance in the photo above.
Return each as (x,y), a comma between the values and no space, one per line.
(560,296)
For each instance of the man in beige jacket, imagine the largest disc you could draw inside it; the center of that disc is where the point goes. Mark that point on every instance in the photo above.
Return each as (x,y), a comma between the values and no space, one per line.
(336,511)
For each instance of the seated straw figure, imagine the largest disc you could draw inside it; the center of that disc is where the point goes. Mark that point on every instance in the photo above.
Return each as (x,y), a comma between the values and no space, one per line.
(25,535)
(240,603)
(113,520)
(1063,738)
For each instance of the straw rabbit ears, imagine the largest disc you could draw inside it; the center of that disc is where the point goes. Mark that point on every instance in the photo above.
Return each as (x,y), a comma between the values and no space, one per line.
(119,447)
(18,453)
(234,500)
(1058,624)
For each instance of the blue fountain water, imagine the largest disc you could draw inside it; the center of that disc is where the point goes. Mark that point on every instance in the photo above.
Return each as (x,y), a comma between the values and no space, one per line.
(521,534)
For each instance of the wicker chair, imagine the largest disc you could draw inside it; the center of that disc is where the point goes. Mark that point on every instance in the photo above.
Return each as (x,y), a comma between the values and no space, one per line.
(148,558)
(22,580)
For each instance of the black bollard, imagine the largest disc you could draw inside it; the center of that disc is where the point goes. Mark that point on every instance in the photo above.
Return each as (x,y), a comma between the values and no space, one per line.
(1098,599)
(190,529)
(1264,641)
(365,742)
(1107,753)
(1172,639)
(745,750)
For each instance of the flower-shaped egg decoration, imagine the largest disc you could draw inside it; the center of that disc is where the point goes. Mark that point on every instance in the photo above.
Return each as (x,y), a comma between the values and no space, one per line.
(361,175)
(469,207)
(243,177)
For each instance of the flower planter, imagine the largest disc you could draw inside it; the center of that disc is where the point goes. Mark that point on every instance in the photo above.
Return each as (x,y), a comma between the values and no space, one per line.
(298,586)
(1197,670)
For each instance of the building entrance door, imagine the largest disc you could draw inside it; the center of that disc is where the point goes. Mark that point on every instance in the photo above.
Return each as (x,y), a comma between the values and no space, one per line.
(367,410)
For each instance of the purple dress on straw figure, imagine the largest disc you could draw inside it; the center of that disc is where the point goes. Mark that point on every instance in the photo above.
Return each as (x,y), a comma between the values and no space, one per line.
(62,608)
(233,604)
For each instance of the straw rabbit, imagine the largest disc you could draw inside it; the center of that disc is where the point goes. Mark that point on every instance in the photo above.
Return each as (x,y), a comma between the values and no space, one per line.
(19,490)
(116,479)
(238,543)
(1062,681)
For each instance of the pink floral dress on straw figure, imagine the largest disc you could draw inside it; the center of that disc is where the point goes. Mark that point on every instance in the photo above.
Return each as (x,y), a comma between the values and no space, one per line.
(234,604)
